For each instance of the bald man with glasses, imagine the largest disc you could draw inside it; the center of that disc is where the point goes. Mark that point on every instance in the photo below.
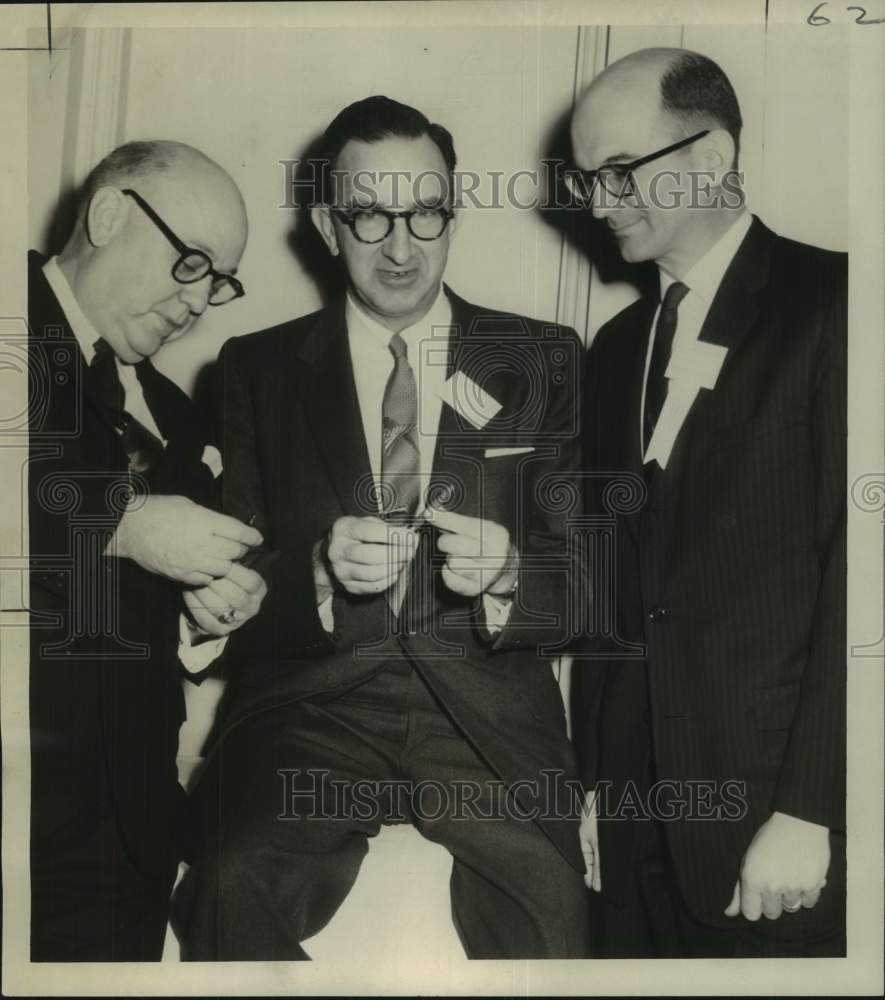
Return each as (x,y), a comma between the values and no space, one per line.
(712,725)
(133,575)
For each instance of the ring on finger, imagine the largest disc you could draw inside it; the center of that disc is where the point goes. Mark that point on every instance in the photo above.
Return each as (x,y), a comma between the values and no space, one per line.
(791,907)
(227,617)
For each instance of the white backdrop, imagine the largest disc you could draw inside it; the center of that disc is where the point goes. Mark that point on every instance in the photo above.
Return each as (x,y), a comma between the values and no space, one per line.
(252,98)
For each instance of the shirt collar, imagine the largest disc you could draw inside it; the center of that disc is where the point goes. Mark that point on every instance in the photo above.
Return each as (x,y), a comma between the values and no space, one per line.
(82,329)
(366,333)
(705,275)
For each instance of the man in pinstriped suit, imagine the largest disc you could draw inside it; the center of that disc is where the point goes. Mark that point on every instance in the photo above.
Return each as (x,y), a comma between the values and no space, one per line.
(715,732)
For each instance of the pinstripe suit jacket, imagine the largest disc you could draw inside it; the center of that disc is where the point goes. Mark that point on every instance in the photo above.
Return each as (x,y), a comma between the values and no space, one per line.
(732,573)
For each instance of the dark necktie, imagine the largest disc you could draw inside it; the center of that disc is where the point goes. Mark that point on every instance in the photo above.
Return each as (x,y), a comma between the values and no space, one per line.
(143,448)
(400,455)
(665,330)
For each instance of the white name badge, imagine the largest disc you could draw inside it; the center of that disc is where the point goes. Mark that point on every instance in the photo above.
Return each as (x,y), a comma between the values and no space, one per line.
(693,366)
(697,364)
(469,400)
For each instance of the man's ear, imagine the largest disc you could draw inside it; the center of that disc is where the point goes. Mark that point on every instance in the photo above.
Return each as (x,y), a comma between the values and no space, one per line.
(717,153)
(105,216)
(321,217)
(452,227)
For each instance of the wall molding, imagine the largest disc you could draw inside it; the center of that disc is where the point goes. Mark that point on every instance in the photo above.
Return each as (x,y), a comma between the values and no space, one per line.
(575,269)
(96,113)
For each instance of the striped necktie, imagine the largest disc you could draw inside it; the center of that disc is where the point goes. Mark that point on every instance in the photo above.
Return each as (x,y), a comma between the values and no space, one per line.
(400,454)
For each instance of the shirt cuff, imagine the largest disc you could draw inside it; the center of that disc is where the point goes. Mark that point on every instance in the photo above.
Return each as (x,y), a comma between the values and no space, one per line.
(497,612)
(327,619)
(196,658)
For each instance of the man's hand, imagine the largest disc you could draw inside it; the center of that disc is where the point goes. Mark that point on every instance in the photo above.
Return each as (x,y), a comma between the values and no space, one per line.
(785,868)
(239,594)
(480,558)
(589,834)
(178,539)
(365,555)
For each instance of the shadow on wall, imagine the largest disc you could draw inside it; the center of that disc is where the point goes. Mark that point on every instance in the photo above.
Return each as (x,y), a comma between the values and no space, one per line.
(588,236)
(308,250)
(60,225)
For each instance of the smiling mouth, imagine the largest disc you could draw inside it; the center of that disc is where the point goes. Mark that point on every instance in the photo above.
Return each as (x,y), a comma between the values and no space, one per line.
(617,230)
(397,276)
(171,327)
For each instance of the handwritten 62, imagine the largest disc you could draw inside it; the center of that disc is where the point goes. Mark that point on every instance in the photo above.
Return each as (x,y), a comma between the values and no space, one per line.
(818,20)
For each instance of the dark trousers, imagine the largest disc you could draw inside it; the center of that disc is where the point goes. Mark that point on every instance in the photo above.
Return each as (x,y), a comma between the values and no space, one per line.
(291,796)
(654,921)
(106,809)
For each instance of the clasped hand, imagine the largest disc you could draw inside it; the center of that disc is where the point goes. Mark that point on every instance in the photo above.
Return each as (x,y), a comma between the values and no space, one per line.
(174,537)
(365,555)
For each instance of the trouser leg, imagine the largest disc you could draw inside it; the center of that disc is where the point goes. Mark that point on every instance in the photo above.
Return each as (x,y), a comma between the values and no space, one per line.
(281,841)
(513,893)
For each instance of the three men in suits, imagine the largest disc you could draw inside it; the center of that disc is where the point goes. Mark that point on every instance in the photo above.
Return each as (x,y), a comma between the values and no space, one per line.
(121,482)
(402,450)
(713,724)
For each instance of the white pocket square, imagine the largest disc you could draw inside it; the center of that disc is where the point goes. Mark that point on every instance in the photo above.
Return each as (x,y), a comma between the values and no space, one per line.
(500,452)
(212,457)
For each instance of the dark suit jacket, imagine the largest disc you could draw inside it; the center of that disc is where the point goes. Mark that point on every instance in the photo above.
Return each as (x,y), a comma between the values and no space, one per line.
(733,572)
(106,699)
(296,459)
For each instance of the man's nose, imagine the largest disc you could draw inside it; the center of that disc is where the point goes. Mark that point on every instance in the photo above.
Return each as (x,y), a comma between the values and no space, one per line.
(602,202)
(398,245)
(195,294)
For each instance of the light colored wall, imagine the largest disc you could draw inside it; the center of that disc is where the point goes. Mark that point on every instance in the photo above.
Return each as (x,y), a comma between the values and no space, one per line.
(792,86)
(48,80)
(252,99)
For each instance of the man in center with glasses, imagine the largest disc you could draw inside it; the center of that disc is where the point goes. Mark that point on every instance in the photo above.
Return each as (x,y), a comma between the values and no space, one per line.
(405,453)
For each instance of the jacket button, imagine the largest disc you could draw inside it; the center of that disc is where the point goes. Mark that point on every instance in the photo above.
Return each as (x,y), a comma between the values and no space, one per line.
(657,614)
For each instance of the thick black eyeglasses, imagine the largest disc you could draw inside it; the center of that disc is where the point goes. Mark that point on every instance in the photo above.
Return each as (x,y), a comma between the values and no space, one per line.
(192,264)
(617,178)
(372,225)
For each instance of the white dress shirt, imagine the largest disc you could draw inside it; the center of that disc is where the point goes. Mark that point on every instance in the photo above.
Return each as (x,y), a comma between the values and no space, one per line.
(702,280)
(427,343)
(193,658)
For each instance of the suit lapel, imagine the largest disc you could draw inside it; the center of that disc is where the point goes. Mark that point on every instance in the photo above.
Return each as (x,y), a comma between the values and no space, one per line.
(732,315)
(458,454)
(739,298)
(624,400)
(326,386)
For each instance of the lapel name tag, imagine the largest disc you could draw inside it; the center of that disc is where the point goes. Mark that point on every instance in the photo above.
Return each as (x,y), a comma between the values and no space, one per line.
(692,367)
(469,400)
(697,364)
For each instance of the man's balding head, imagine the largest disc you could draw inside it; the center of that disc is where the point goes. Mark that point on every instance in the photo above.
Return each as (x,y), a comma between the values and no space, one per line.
(641,104)
(690,90)
(119,262)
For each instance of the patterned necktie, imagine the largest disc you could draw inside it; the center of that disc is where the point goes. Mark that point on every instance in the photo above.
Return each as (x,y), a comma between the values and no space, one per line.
(665,330)
(143,448)
(400,455)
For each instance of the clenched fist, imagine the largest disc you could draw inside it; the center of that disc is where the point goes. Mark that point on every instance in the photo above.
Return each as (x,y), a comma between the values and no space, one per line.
(364,555)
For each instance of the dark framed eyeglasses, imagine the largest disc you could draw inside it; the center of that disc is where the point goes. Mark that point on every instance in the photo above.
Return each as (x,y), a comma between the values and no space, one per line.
(617,178)
(192,264)
(372,225)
